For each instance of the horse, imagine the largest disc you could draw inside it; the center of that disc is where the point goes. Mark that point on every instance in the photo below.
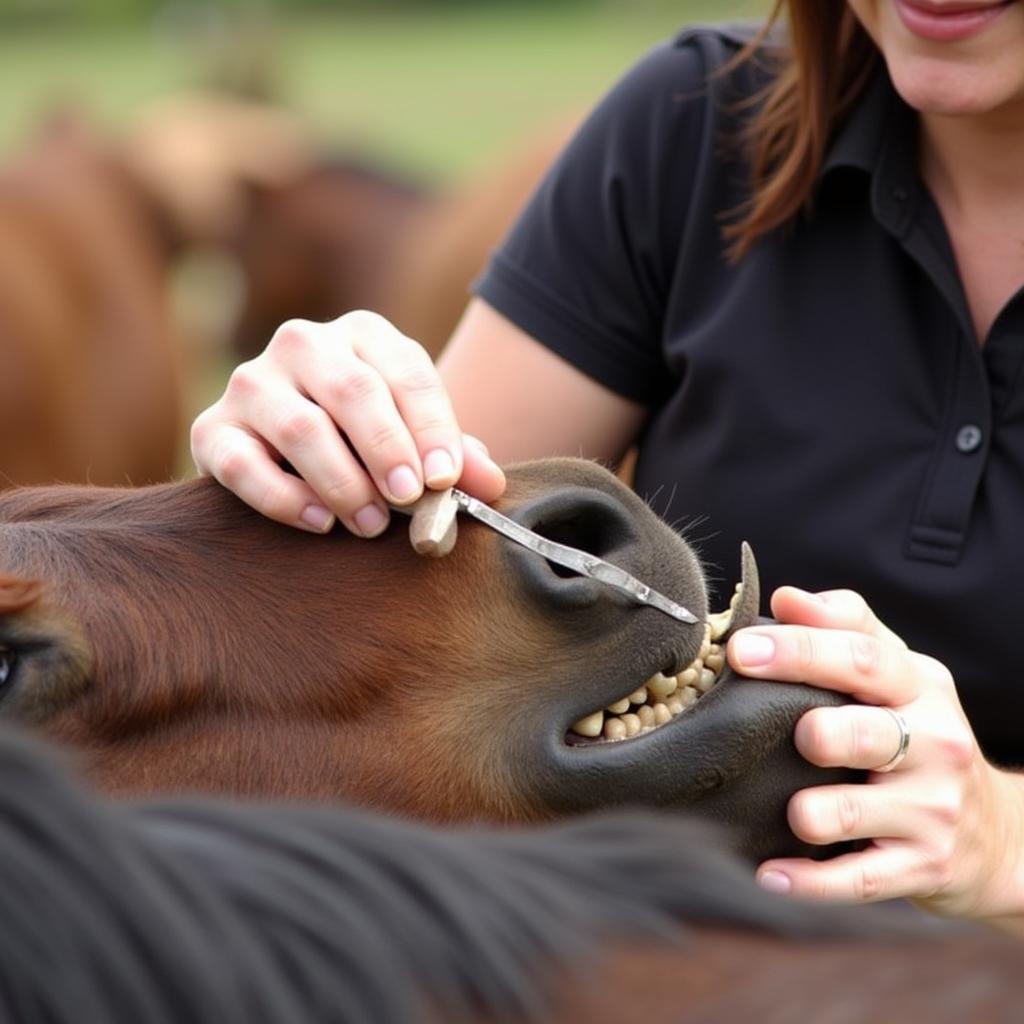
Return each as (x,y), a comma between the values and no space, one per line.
(185,642)
(206,910)
(342,234)
(89,375)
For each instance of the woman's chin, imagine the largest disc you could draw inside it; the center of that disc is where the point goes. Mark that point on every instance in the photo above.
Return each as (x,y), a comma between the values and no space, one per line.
(945,88)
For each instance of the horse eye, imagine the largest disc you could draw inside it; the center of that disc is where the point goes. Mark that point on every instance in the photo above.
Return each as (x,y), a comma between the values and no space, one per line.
(7,660)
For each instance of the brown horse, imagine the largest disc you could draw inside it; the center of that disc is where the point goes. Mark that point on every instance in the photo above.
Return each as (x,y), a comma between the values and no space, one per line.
(319,244)
(341,235)
(88,359)
(182,641)
(188,643)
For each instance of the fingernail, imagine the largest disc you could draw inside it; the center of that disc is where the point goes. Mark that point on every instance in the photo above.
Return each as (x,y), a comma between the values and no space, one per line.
(753,649)
(370,521)
(807,595)
(775,881)
(438,467)
(318,518)
(403,484)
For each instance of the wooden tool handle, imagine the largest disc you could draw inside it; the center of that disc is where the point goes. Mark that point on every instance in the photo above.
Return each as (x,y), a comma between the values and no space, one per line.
(434,525)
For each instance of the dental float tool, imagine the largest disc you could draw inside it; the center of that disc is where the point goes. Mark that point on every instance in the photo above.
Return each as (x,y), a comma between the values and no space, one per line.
(433,531)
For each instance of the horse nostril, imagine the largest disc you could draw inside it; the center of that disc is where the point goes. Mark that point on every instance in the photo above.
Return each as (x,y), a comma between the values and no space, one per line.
(590,529)
(590,521)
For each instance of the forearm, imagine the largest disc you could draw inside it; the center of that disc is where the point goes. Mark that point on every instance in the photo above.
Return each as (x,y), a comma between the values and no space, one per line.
(526,402)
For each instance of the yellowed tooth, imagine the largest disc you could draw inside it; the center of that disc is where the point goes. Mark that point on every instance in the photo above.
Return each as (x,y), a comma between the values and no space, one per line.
(614,729)
(646,715)
(619,706)
(706,681)
(719,623)
(688,676)
(688,695)
(638,696)
(662,714)
(632,724)
(661,685)
(715,661)
(589,726)
(675,707)
(705,648)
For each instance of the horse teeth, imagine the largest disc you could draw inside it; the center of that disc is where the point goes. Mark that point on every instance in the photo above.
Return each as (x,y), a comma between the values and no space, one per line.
(721,621)
(589,726)
(668,696)
(661,685)
(719,624)
(688,676)
(614,729)
(688,696)
(706,680)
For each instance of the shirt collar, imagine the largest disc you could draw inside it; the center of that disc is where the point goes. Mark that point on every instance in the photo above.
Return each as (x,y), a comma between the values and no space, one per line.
(879,138)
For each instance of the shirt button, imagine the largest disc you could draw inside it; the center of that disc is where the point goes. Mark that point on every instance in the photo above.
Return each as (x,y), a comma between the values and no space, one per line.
(900,194)
(968,438)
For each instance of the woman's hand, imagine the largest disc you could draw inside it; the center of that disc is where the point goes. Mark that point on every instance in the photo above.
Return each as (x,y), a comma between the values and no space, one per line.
(357,410)
(943,826)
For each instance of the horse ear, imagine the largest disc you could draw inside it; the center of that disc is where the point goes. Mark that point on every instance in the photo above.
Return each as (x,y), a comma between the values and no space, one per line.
(17,594)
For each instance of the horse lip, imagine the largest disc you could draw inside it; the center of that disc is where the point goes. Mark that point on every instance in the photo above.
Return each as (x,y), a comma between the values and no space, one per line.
(742,612)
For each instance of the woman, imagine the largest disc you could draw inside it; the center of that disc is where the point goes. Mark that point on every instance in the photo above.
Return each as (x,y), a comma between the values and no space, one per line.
(792,275)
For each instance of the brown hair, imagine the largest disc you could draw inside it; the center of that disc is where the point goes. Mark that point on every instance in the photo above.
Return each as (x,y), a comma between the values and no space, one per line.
(821,74)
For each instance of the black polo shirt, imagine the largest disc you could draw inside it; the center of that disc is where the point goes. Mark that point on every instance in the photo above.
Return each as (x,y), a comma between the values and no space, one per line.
(825,398)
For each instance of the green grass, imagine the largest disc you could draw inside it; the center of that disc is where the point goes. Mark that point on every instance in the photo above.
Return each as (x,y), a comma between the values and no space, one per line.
(434,92)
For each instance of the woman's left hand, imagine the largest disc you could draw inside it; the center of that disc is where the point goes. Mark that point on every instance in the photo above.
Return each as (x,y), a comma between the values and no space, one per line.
(942,825)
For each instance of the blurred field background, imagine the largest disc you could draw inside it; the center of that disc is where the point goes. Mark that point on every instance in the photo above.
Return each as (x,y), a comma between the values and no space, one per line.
(434,90)
(431,86)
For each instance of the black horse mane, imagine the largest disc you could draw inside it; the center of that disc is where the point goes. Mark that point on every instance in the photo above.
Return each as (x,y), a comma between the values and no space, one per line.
(209,911)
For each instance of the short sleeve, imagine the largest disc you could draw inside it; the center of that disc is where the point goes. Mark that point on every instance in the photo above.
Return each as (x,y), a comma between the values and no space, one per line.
(587,269)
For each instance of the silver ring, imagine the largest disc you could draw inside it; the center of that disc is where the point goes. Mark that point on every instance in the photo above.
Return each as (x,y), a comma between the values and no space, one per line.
(901,749)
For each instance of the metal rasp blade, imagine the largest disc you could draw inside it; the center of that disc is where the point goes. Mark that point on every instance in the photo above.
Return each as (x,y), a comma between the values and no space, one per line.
(433,532)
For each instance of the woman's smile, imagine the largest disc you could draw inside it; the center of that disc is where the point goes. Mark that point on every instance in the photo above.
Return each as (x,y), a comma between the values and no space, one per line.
(948,22)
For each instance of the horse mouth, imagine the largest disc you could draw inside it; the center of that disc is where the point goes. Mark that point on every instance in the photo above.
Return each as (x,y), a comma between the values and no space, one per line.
(668,694)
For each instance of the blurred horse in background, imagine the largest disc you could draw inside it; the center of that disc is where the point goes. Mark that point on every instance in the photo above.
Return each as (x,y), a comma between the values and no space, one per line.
(89,386)
(93,348)
(344,235)
(93,225)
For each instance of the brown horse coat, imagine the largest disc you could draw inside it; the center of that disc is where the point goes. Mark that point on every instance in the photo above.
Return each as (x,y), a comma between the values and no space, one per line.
(88,360)
(188,643)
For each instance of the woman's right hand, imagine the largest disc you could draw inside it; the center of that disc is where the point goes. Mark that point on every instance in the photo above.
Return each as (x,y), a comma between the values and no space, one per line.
(357,410)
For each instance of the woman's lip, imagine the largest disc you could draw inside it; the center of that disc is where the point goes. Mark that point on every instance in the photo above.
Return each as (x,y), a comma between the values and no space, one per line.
(947,23)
